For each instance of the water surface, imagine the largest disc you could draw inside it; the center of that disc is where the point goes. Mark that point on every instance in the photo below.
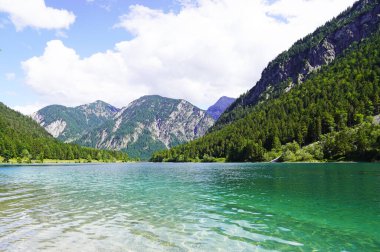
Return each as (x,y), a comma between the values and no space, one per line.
(190,207)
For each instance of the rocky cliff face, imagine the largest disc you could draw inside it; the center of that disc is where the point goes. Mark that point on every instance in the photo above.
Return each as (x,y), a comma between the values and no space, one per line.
(69,124)
(149,124)
(310,54)
(98,109)
(219,107)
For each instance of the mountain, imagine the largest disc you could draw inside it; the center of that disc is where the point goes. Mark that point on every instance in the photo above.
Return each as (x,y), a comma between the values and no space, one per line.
(149,124)
(329,113)
(69,124)
(22,137)
(219,107)
(307,56)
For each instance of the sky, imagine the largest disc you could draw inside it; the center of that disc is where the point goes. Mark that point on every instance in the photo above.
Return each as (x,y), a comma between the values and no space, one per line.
(72,52)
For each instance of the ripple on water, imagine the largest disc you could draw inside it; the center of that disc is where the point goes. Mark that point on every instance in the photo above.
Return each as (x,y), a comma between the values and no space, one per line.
(188,207)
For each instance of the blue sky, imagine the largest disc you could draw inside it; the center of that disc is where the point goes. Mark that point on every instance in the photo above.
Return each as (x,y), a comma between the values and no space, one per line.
(77,51)
(93,32)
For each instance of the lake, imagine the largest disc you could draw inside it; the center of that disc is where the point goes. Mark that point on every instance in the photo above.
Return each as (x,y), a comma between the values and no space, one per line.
(190,207)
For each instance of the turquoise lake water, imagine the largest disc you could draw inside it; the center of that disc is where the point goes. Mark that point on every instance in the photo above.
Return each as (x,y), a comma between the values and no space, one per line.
(190,207)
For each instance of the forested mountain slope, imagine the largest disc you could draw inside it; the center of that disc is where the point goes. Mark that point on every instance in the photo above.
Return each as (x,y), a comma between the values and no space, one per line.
(340,95)
(69,124)
(149,124)
(307,56)
(20,136)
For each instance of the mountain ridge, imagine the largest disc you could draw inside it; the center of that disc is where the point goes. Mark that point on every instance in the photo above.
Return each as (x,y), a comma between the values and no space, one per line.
(70,123)
(145,125)
(219,107)
(149,123)
(294,66)
(323,109)
(24,139)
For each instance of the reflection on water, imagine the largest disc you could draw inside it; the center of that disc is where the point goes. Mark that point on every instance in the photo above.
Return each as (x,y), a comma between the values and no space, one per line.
(190,207)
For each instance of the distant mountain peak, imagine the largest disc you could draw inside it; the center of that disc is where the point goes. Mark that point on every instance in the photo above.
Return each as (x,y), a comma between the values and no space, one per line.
(226,98)
(149,124)
(70,123)
(152,96)
(220,106)
(97,103)
(307,56)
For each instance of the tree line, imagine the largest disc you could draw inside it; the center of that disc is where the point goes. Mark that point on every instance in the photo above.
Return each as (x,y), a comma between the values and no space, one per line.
(339,96)
(22,138)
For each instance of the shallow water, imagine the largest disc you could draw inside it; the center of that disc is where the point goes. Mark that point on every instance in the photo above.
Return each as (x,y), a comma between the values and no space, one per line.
(190,207)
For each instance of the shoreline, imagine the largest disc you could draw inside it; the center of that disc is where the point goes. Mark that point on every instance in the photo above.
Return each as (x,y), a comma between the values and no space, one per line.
(134,162)
(62,163)
(268,162)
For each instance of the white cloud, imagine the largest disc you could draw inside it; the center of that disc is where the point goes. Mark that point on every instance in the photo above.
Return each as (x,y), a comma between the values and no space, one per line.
(75,80)
(206,50)
(29,109)
(10,76)
(34,13)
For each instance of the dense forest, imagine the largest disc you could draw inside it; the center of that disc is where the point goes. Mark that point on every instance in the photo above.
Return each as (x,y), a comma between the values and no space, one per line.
(23,139)
(316,49)
(340,96)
